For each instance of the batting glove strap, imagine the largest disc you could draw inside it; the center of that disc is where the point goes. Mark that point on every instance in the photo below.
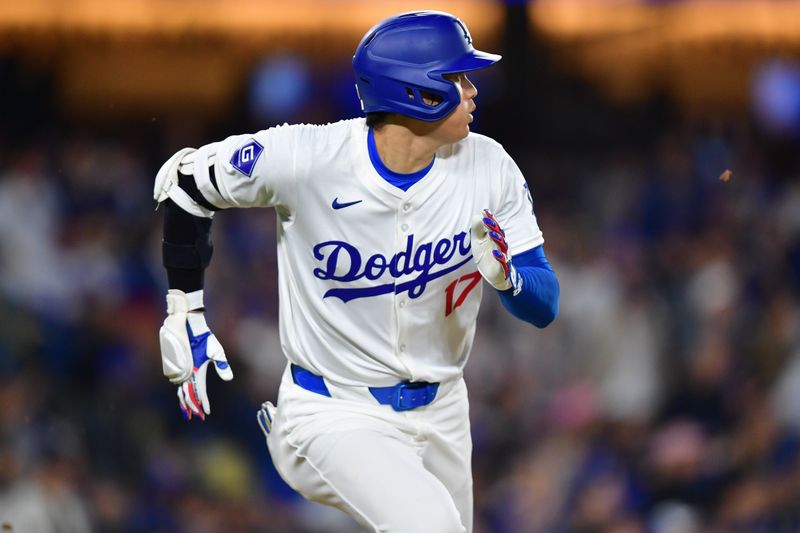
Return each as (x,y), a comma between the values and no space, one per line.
(515,279)
(491,255)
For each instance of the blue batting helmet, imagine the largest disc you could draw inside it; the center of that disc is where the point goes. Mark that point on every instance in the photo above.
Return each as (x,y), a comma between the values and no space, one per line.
(405,55)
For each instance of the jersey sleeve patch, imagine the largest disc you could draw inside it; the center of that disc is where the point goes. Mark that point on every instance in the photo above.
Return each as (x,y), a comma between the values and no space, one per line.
(245,157)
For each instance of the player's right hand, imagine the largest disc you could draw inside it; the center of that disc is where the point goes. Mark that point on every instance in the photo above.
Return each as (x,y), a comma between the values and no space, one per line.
(265,416)
(187,348)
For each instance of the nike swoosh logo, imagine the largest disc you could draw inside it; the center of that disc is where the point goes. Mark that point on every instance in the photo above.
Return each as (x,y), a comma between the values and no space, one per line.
(337,205)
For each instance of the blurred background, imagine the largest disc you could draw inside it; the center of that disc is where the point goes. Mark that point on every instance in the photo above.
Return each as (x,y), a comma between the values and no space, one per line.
(666,396)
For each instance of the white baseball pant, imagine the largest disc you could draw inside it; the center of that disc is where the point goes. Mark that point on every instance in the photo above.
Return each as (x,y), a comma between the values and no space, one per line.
(393,472)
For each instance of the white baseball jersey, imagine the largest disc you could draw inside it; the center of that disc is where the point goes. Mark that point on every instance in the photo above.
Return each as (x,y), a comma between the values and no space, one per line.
(376,285)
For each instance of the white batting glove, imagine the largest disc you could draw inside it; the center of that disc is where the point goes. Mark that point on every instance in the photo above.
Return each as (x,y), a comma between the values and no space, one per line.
(265,416)
(490,252)
(187,347)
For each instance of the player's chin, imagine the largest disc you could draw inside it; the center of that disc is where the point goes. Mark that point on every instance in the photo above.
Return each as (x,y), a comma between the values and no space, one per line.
(466,126)
(457,130)
(460,134)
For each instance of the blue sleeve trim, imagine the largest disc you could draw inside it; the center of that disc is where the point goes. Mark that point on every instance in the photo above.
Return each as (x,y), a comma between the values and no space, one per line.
(537,303)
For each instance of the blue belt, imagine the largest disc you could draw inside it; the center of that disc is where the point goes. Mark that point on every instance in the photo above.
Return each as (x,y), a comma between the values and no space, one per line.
(402,397)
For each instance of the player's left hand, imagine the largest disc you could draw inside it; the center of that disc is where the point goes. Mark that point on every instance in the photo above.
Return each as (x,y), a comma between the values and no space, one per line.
(490,251)
(187,348)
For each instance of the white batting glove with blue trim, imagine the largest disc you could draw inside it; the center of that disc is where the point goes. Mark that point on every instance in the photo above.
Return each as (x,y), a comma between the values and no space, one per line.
(491,255)
(265,416)
(187,348)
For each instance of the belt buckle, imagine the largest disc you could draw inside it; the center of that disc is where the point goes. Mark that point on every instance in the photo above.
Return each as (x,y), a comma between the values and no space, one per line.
(406,395)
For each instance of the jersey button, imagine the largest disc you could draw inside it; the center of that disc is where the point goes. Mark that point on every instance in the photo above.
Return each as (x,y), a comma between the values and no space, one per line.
(404,227)
(402,347)
(406,207)
(402,303)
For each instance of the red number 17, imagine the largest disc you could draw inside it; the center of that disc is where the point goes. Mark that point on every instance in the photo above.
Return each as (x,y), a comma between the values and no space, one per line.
(452,302)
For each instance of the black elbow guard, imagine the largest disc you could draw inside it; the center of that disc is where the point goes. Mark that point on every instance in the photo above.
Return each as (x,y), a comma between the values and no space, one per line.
(187,256)
(187,240)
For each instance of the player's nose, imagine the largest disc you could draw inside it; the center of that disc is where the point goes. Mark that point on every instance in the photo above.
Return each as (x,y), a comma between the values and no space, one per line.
(469,89)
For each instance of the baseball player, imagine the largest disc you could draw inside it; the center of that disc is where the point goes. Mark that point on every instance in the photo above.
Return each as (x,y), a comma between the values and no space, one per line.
(386,226)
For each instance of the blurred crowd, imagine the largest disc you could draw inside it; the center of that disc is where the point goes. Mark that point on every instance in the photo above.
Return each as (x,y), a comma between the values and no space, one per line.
(665,398)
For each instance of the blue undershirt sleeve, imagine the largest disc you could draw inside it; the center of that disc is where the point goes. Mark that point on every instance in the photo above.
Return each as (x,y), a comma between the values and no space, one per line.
(537,303)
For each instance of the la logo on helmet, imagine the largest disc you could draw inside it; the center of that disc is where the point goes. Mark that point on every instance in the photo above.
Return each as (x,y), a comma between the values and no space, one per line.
(467,36)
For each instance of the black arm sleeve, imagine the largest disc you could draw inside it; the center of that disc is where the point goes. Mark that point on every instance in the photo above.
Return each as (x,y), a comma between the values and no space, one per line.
(186,248)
